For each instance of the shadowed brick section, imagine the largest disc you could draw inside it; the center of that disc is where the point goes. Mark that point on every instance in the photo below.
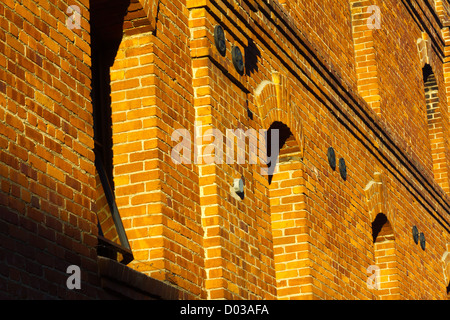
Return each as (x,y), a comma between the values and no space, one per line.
(47,174)
(131,284)
(48,196)
(104,213)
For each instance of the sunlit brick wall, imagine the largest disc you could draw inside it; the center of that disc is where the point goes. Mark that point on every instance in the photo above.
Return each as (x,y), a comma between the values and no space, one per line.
(151,96)
(304,233)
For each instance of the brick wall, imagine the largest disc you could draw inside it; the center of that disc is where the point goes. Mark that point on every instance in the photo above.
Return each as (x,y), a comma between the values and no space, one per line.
(291,240)
(437,131)
(46,156)
(236,240)
(48,181)
(313,69)
(328,27)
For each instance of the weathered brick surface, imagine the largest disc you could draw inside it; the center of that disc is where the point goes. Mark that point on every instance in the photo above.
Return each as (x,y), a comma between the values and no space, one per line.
(305,232)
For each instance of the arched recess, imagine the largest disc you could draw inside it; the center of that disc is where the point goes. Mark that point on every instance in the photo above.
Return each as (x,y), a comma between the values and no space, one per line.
(288,194)
(435,123)
(383,224)
(287,189)
(377,198)
(437,113)
(283,134)
(274,104)
(366,64)
(385,258)
(289,218)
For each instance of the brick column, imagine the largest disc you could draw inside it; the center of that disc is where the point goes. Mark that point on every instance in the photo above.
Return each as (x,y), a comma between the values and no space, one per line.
(157,199)
(366,65)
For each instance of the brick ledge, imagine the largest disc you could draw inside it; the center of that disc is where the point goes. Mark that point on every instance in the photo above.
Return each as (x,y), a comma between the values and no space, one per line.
(132,284)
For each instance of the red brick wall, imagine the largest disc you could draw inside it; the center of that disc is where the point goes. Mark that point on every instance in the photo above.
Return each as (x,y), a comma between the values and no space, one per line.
(306,233)
(409,118)
(365,57)
(237,238)
(290,228)
(328,27)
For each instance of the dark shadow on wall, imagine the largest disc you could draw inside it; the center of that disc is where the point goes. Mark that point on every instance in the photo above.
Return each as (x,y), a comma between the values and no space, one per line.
(377,225)
(251,53)
(107,18)
(282,135)
(107,22)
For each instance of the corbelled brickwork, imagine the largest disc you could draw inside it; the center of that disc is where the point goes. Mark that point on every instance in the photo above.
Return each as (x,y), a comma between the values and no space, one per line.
(115,120)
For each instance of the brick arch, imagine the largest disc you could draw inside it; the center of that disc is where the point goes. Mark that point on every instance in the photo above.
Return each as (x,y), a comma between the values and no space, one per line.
(377,199)
(436,117)
(425,50)
(385,258)
(274,104)
(294,274)
(383,232)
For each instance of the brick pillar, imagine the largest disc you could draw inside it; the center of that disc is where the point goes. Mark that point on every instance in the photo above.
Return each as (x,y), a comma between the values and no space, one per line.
(366,66)
(157,199)
(290,227)
(436,132)
(237,237)
(385,259)
(444,170)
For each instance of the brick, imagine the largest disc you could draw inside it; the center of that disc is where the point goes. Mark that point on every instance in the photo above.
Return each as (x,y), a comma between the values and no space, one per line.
(14,121)
(123,169)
